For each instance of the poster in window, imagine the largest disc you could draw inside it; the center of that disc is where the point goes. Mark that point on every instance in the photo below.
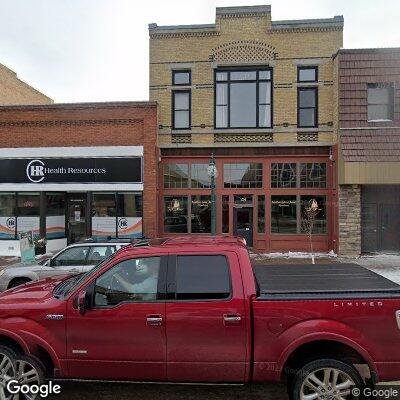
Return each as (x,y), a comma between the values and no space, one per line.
(7,227)
(130,227)
(55,226)
(103,227)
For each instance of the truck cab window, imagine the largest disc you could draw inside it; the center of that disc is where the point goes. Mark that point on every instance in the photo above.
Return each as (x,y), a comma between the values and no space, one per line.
(202,278)
(129,280)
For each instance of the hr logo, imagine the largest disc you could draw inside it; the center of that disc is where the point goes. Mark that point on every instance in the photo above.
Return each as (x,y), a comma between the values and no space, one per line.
(35,171)
(123,223)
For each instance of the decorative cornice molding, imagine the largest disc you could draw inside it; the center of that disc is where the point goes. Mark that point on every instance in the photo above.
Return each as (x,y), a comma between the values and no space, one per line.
(305,29)
(89,122)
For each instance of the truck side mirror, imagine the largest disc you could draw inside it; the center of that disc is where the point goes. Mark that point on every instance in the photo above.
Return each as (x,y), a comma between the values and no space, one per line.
(82,303)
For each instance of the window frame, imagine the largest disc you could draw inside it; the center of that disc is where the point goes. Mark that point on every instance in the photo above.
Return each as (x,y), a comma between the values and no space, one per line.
(172,279)
(392,99)
(228,82)
(307,67)
(180,71)
(189,110)
(161,285)
(315,90)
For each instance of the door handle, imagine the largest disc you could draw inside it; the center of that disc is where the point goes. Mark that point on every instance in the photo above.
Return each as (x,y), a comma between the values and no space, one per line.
(154,320)
(74,270)
(232,319)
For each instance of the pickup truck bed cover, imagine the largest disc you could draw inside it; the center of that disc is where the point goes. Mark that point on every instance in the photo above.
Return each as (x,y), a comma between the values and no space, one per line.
(322,281)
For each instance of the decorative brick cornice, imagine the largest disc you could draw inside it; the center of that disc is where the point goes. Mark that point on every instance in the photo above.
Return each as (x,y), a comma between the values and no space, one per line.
(305,29)
(185,34)
(87,122)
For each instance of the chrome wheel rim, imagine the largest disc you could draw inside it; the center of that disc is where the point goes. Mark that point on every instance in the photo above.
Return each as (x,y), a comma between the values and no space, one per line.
(327,384)
(26,374)
(7,372)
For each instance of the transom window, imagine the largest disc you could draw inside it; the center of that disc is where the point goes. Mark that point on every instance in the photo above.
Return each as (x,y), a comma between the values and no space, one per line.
(307,74)
(181,176)
(380,102)
(243,99)
(283,175)
(243,175)
(313,175)
(181,77)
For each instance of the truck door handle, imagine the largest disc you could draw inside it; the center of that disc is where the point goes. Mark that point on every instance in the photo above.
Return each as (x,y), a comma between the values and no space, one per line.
(232,319)
(154,320)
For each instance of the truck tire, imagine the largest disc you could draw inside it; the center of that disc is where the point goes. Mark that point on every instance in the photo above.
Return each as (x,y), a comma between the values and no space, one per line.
(7,372)
(18,282)
(29,371)
(327,378)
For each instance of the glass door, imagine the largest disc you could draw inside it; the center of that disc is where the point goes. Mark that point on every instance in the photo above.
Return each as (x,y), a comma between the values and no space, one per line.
(77,227)
(243,224)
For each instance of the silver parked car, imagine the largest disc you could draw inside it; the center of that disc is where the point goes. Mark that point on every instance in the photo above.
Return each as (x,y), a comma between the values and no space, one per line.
(74,259)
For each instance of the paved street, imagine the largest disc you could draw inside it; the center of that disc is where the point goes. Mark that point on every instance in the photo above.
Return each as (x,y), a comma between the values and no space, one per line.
(125,391)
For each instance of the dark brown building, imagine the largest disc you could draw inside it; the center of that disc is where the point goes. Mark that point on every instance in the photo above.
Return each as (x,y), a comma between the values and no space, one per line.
(369,133)
(70,171)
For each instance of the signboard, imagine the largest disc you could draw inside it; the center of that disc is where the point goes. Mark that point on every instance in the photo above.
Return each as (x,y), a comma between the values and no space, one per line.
(27,247)
(71,170)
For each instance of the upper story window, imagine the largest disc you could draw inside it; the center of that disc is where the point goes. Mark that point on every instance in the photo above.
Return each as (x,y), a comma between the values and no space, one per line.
(243,98)
(307,107)
(181,109)
(380,102)
(307,74)
(181,176)
(181,77)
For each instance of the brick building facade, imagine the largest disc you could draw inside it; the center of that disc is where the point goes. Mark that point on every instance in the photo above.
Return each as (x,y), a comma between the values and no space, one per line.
(369,168)
(70,171)
(260,95)
(15,91)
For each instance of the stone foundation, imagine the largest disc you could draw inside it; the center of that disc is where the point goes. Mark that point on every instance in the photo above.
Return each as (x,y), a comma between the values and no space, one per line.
(350,220)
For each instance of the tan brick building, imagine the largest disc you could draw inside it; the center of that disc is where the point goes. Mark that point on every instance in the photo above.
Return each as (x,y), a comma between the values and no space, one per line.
(13,91)
(260,95)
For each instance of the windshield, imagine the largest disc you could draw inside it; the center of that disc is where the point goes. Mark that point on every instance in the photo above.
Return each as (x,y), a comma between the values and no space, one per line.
(67,286)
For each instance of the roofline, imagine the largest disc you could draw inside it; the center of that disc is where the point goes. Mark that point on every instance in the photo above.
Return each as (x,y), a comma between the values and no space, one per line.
(371,50)
(84,105)
(243,10)
(336,22)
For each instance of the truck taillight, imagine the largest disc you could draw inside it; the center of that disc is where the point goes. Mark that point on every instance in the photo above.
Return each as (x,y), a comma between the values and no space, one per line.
(398,318)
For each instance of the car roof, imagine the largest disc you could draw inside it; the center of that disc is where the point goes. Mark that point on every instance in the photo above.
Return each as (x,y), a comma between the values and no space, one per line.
(181,242)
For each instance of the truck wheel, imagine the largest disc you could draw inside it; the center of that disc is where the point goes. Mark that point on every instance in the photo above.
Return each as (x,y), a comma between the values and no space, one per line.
(7,371)
(18,282)
(29,371)
(327,379)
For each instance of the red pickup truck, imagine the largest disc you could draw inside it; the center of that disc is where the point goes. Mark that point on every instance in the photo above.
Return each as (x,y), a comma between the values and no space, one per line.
(196,310)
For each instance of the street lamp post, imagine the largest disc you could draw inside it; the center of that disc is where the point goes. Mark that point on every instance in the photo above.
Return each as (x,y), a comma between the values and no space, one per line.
(212,172)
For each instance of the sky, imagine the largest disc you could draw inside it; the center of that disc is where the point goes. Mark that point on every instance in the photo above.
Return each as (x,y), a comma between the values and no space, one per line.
(97,50)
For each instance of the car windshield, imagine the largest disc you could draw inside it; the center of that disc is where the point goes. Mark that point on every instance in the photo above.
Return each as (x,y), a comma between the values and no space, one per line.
(65,287)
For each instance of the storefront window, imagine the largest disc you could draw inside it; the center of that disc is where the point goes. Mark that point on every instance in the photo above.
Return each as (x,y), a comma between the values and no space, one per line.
(201,214)
(7,216)
(243,175)
(283,175)
(225,214)
(28,211)
(313,175)
(55,215)
(104,214)
(175,214)
(176,176)
(320,219)
(199,176)
(261,213)
(130,218)
(283,214)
